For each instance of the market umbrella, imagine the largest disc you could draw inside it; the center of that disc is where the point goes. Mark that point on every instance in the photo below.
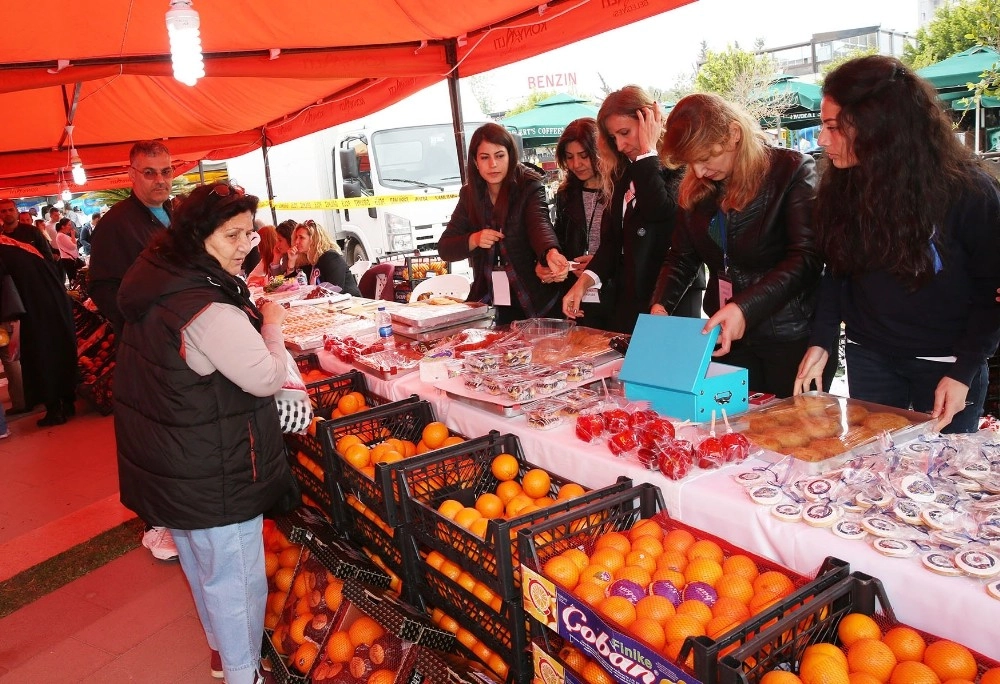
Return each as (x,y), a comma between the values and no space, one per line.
(951,77)
(799,102)
(544,123)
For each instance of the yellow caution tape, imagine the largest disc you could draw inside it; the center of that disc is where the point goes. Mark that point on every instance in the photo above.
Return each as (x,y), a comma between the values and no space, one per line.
(357,202)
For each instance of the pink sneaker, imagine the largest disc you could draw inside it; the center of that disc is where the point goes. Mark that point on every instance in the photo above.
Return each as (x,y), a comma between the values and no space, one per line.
(160,543)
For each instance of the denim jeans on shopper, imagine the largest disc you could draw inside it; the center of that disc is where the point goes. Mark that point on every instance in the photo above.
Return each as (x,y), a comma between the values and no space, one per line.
(909,383)
(3,421)
(225,568)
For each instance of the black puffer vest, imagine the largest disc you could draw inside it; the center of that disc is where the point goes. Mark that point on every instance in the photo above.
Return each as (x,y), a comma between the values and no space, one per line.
(193,452)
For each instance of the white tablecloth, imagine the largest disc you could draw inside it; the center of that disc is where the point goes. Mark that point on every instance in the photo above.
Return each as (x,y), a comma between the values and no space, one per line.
(957,608)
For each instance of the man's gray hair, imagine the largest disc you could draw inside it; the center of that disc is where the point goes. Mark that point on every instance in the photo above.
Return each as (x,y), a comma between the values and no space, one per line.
(147,148)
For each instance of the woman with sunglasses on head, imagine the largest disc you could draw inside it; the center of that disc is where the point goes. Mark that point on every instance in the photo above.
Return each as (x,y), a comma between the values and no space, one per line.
(746,213)
(200,449)
(319,257)
(639,220)
(501,225)
(909,224)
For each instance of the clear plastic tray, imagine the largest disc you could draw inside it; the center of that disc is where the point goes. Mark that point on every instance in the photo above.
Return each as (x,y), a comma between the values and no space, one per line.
(534,328)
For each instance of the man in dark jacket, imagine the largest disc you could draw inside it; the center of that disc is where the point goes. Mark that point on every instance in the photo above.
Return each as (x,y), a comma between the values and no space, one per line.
(125,231)
(130,225)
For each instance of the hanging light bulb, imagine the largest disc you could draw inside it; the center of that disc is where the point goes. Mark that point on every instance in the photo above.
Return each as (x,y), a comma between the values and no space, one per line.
(185,42)
(66,194)
(79,174)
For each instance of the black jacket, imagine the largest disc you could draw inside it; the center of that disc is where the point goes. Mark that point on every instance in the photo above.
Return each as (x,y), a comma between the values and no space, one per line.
(774,262)
(572,222)
(28,234)
(126,230)
(524,221)
(193,451)
(633,241)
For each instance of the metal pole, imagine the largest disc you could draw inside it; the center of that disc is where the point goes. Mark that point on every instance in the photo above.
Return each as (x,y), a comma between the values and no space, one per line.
(201,172)
(979,111)
(458,125)
(267,177)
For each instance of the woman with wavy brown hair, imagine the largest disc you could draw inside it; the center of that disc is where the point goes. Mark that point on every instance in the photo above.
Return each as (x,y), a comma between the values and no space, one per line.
(909,225)
(639,220)
(321,259)
(746,213)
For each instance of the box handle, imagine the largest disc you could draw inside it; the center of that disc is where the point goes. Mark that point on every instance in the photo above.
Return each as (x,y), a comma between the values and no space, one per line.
(723,398)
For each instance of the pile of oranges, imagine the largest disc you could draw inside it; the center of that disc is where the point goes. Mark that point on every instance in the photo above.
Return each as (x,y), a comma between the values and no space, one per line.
(899,656)
(589,670)
(510,499)
(488,657)
(360,652)
(281,556)
(670,569)
(353,449)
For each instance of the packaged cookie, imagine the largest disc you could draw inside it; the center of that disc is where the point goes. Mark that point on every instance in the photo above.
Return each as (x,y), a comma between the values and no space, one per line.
(545,414)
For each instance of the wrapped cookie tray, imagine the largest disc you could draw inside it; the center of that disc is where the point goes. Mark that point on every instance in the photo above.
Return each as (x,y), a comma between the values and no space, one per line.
(821,430)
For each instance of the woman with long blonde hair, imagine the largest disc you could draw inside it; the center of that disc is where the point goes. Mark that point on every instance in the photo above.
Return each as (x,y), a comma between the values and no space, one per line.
(746,213)
(321,259)
(639,220)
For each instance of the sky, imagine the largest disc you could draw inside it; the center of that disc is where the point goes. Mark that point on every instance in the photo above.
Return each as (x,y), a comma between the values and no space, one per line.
(658,50)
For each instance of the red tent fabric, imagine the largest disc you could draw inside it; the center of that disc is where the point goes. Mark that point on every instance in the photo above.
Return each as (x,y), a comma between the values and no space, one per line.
(280,69)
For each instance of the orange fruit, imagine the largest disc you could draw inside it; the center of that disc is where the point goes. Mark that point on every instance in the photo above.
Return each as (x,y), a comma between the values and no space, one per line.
(544,501)
(618,609)
(297,629)
(780,677)
(500,667)
(466,517)
(862,678)
(382,677)
(304,656)
(649,545)
(636,573)
(696,609)
(489,505)
(562,571)
(346,441)
(466,581)
(333,595)
(479,526)
(912,672)
(672,576)
(596,573)
(741,565)
(435,559)
(650,631)
(339,648)
(505,467)
(718,626)
(704,548)
(613,540)
(657,608)
(570,490)
(579,558)
(991,676)
(592,593)
(358,455)
(871,656)
(289,558)
(642,559)
(451,570)
(449,508)
(364,630)
(733,608)
(646,528)
(735,586)
(283,579)
(434,434)
(952,681)
(776,583)
(855,626)
(508,490)
(672,560)
(680,627)
(517,505)
(678,540)
(573,657)
(349,404)
(452,441)
(822,669)
(673,652)
(612,559)
(761,602)
(829,650)
(536,483)
(905,643)
(950,660)
(704,570)
(593,673)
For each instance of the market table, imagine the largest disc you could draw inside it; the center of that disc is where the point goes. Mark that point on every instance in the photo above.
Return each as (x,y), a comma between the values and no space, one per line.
(952,607)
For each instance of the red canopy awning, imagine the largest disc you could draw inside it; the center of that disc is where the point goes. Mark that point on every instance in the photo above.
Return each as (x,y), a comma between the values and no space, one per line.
(277,68)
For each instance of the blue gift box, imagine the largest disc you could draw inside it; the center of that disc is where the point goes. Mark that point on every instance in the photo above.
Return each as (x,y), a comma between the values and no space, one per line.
(669,363)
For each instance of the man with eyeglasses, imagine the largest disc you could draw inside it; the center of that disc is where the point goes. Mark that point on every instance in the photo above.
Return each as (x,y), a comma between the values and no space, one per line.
(125,231)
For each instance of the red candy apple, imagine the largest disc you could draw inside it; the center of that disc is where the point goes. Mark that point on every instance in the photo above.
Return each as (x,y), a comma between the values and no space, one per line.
(616,420)
(623,442)
(589,427)
(709,453)
(735,447)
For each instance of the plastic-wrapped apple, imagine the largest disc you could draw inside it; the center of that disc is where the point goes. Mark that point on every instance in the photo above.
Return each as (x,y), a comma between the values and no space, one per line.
(589,427)
(709,453)
(623,442)
(648,457)
(616,420)
(642,417)
(675,459)
(735,447)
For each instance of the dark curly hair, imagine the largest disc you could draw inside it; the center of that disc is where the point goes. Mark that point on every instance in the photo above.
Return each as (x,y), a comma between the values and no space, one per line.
(197,216)
(583,131)
(883,213)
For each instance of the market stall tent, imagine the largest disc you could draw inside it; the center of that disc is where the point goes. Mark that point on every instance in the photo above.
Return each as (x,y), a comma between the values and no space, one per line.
(544,123)
(275,71)
(952,76)
(798,101)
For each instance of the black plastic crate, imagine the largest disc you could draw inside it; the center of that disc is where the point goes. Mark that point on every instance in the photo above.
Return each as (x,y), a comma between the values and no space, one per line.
(463,472)
(620,511)
(503,630)
(404,419)
(315,487)
(780,645)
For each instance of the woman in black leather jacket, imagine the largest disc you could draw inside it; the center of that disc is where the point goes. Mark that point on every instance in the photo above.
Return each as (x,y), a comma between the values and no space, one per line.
(747,214)
(501,224)
(636,228)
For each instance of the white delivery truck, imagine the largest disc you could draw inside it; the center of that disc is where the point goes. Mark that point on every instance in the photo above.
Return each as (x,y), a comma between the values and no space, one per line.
(405,149)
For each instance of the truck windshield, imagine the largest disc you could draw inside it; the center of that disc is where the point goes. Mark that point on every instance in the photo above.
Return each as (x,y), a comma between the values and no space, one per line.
(418,156)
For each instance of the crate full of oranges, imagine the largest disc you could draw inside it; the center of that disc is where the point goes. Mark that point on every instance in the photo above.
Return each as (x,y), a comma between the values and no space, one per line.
(621,572)
(468,501)
(849,633)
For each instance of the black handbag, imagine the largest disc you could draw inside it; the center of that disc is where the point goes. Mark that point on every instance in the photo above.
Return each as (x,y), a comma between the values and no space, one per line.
(11,306)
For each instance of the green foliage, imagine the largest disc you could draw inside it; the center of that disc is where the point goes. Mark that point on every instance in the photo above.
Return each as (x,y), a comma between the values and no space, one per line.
(530,102)
(956,26)
(741,77)
(853,54)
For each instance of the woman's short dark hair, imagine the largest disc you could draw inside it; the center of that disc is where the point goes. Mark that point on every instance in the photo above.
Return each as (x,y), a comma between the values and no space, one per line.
(198,215)
(498,135)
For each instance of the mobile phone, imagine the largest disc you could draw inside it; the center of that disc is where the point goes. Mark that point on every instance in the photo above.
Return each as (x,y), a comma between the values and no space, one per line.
(760,398)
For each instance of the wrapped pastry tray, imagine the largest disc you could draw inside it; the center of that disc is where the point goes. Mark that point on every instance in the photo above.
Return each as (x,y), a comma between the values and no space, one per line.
(419,316)
(578,342)
(435,334)
(821,430)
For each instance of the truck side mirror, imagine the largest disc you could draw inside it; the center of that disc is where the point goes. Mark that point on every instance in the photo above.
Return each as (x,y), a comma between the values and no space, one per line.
(349,163)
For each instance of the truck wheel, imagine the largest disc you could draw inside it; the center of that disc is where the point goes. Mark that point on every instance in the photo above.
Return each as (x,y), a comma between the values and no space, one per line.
(354,252)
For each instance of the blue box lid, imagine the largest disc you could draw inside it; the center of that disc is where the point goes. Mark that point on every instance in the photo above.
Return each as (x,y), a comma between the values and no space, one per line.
(669,351)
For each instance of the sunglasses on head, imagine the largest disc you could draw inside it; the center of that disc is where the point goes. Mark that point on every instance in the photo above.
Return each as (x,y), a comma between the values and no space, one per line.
(227,190)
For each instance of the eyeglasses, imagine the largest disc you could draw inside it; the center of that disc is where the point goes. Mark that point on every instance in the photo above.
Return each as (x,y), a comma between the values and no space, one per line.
(226,190)
(152,174)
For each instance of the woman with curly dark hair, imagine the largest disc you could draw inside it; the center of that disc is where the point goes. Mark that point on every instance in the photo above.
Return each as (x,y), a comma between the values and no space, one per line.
(909,225)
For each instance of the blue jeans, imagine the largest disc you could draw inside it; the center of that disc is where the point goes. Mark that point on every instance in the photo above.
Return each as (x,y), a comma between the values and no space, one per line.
(224,567)
(3,421)
(909,383)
